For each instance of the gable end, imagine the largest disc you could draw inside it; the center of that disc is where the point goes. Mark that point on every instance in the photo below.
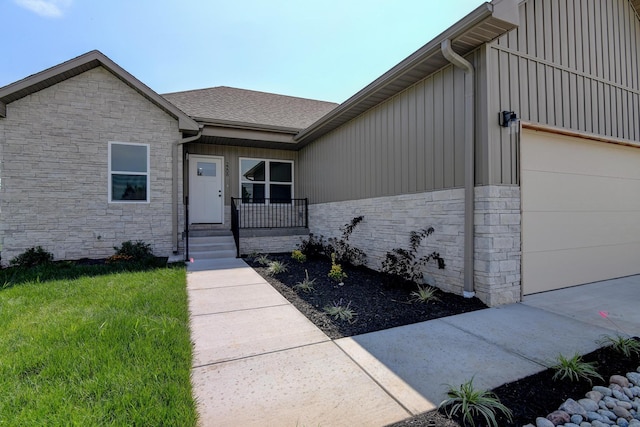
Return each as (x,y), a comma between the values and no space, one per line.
(79,65)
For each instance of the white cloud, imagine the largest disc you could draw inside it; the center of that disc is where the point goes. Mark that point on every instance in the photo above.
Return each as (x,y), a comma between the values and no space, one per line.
(46,8)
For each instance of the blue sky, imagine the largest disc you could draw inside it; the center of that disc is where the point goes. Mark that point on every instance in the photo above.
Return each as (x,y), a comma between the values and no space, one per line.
(326,49)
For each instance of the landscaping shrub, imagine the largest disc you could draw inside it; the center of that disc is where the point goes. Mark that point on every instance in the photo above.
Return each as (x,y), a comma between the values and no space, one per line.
(316,246)
(138,252)
(313,247)
(298,256)
(405,263)
(336,273)
(343,251)
(32,257)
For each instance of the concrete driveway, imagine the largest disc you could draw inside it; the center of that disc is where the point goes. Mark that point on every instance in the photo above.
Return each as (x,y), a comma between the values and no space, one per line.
(258,361)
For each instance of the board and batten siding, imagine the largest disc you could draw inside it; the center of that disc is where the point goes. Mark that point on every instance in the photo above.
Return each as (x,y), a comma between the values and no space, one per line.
(232,155)
(411,143)
(571,64)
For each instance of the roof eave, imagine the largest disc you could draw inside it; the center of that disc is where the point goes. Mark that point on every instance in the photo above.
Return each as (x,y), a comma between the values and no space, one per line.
(487,22)
(81,64)
(246,125)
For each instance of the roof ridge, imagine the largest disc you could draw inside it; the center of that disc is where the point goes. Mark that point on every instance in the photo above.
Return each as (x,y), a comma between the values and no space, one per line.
(249,91)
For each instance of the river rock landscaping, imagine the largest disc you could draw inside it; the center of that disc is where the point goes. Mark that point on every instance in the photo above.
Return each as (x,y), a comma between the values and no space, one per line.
(377,301)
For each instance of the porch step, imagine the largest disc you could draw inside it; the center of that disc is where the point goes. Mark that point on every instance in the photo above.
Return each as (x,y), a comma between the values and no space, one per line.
(208,232)
(216,245)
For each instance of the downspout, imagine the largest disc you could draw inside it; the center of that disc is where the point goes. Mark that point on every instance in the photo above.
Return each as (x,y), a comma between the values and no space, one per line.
(174,190)
(469,163)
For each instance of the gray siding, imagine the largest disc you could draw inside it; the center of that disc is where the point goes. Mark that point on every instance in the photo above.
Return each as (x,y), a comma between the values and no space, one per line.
(232,155)
(411,143)
(571,64)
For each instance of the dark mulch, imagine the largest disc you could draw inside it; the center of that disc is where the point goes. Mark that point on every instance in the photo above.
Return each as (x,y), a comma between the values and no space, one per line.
(382,303)
(379,301)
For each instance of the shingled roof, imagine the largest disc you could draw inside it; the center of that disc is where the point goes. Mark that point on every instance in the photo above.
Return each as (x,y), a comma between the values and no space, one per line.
(227,104)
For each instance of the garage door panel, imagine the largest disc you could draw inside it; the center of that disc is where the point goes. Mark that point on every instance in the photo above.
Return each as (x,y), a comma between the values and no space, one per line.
(559,269)
(580,211)
(579,156)
(557,192)
(572,230)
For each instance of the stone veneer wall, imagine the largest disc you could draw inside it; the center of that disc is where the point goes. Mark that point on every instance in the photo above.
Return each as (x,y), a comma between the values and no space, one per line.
(388,222)
(498,255)
(54,169)
(269,244)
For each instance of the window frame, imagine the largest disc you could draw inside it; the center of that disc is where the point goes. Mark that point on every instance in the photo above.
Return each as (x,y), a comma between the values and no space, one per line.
(267,179)
(111,172)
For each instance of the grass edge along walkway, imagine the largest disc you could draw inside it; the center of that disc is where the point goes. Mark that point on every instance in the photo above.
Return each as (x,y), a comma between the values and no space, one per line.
(110,349)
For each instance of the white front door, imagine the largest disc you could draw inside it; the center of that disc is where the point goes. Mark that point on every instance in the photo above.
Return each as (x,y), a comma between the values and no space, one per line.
(206,198)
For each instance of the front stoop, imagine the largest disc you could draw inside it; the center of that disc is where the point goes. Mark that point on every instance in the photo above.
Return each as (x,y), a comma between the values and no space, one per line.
(211,244)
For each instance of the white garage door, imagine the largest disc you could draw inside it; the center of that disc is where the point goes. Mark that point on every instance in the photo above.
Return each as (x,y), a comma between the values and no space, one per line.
(580,211)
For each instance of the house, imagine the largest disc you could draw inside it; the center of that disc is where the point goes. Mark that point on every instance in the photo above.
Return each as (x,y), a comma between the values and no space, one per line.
(515,133)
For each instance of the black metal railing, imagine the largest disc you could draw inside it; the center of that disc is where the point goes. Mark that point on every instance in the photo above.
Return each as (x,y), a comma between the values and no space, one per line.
(235,225)
(270,213)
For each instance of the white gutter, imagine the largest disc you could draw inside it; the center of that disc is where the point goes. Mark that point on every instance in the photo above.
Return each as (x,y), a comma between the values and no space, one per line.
(174,190)
(469,163)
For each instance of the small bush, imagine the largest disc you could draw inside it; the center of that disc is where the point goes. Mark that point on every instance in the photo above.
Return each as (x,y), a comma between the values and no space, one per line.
(340,311)
(276,267)
(574,369)
(624,345)
(336,272)
(297,255)
(313,247)
(307,285)
(425,294)
(32,257)
(262,259)
(114,259)
(137,251)
(405,263)
(343,251)
(470,404)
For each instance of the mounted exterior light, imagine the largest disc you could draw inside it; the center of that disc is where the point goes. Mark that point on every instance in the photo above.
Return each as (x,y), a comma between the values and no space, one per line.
(507,118)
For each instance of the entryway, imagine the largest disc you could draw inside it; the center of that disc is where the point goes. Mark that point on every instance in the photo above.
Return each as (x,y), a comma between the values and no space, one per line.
(206,190)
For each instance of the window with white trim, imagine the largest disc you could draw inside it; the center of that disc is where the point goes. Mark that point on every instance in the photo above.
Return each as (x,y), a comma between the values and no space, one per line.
(266,180)
(128,172)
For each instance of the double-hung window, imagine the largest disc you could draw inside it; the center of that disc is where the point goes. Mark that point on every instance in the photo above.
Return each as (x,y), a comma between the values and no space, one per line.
(128,172)
(266,180)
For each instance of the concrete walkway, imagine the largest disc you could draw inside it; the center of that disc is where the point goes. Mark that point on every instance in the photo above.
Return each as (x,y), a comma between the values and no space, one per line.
(259,362)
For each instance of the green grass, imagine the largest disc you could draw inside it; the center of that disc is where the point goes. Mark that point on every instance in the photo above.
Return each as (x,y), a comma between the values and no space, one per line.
(105,349)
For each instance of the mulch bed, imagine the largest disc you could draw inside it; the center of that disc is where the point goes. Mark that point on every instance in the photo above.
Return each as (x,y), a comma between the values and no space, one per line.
(381,302)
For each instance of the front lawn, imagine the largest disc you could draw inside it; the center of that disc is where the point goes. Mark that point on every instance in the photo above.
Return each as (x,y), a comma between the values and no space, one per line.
(105,349)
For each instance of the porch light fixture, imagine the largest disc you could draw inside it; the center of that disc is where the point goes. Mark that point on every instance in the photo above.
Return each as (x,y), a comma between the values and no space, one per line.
(507,118)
